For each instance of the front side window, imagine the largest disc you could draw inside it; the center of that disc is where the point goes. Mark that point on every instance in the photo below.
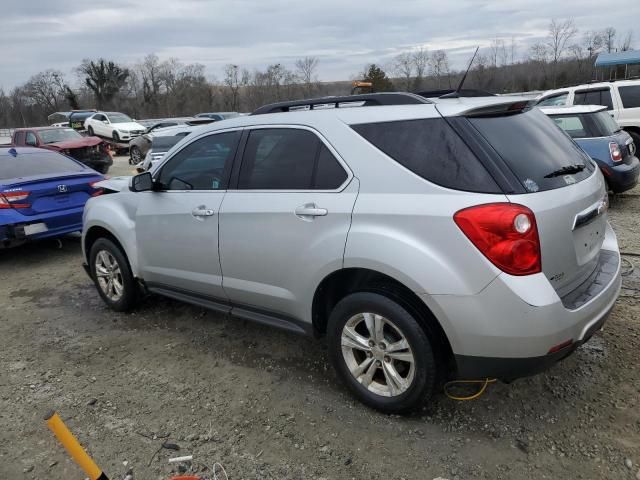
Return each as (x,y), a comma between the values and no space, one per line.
(288,159)
(201,165)
(630,96)
(554,100)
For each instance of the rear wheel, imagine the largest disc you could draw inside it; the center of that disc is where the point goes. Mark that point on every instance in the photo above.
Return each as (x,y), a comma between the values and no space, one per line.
(636,138)
(381,353)
(135,155)
(112,275)
(90,130)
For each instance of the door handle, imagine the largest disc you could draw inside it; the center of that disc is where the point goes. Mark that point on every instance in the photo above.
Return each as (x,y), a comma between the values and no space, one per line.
(202,211)
(310,210)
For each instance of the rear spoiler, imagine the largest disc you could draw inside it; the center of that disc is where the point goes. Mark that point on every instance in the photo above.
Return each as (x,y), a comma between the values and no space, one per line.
(500,109)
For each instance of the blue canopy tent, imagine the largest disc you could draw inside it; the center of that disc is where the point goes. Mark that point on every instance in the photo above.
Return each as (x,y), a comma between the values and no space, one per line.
(615,60)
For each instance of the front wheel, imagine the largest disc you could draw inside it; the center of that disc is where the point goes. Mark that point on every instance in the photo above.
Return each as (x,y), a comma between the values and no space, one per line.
(116,137)
(90,131)
(135,156)
(112,275)
(381,353)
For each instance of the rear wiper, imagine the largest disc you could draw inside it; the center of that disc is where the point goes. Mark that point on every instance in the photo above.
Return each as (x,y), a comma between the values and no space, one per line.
(566,170)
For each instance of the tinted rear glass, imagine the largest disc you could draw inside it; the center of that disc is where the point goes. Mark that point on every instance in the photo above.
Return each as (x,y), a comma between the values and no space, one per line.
(630,96)
(162,144)
(533,147)
(600,96)
(31,164)
(431,149)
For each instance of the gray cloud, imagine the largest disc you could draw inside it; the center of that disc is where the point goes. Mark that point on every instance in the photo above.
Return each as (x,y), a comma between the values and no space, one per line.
(41,34)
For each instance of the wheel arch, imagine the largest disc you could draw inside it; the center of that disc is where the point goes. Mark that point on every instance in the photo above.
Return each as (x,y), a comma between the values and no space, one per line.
(340,283)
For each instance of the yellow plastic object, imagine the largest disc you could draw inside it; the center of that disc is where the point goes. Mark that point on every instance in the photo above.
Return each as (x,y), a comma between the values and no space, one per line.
(70,443)
(483,387)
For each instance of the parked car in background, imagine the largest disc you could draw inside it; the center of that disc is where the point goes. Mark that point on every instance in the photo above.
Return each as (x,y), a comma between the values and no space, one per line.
(42,194)
(77,118)
(113,125)
(621,98)
(456,238)
(218,115)
(92,151)
(160,145)
(607,144)
(139,146)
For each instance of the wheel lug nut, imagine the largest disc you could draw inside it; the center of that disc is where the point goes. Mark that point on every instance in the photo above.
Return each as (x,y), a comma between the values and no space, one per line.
(382,346)
(387,358)
(372,343)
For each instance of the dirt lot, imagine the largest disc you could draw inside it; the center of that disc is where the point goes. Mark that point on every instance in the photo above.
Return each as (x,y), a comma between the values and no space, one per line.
(266,404)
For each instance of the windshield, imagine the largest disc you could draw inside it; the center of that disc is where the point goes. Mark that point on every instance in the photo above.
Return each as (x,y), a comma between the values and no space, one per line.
(119,118)
(58,135)
(534,149)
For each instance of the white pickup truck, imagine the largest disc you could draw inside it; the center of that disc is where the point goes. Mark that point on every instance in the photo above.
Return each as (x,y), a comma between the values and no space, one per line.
(621,97)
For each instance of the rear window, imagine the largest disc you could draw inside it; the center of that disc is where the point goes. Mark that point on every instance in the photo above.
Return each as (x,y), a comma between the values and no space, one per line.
(431,149)
(572,124)
(604,124)
(586,125)
(31,164)
(630,96)
(533,148)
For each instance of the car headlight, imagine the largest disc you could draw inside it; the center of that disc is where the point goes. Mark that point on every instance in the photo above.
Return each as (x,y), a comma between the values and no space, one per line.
(124,131)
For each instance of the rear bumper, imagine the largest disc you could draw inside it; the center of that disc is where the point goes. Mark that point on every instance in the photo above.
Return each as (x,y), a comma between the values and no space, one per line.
(58,224)
(622,177)
(509,329)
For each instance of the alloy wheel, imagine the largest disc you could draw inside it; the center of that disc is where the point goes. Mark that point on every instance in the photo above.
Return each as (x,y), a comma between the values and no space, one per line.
(109,275)
(378,354)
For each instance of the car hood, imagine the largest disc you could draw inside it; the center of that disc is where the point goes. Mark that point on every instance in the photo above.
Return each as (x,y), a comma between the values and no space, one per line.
(128,126)
(71,144)
(115,184)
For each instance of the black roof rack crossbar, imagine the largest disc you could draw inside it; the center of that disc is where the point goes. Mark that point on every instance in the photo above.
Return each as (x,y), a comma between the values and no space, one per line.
(367,100)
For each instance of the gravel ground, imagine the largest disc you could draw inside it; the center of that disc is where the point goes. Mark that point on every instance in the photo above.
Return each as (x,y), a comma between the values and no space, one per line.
(265,403)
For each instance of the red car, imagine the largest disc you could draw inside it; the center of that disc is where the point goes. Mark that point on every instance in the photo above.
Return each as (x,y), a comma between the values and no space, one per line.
(92,151)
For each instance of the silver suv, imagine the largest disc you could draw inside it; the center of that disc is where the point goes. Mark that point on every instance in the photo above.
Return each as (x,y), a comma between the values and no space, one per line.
(427,240)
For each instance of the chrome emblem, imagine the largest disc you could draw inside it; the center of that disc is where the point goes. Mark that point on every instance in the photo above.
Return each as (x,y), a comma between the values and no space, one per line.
(62,188)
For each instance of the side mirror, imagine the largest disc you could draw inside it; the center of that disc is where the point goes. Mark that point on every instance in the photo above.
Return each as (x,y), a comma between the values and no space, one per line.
(106,122)
(142,182)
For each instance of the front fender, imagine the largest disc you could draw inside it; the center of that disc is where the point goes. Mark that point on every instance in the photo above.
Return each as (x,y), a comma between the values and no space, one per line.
(116,214)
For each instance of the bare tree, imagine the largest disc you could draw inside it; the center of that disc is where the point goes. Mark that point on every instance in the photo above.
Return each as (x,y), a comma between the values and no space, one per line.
(46,88)
(104,78)
(609,35)
(560,34)
(439,66)
(232,82)
(625,44)
(150,71)
(306,69)
(420,59)
(403,66)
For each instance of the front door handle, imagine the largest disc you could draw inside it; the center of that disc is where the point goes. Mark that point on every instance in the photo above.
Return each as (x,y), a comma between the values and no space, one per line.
(202,211)
(310,210)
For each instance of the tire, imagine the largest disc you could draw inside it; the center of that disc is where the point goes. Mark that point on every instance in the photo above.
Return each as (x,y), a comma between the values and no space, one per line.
(135,156)
(90,131)
(418,376)
(103,253)
(115,136)
(636,139)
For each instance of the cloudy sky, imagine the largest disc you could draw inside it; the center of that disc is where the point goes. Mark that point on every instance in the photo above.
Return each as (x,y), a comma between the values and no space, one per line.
(345,35)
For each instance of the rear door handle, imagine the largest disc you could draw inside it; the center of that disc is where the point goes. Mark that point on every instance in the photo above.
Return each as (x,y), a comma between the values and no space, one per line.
(202,211)
(310,210)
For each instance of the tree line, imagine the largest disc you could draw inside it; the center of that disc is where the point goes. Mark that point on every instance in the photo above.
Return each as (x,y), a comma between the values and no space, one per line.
(154,88)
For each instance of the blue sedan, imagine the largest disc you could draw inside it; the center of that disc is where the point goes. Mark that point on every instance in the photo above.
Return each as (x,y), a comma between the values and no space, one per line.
(599,135)
(42,194)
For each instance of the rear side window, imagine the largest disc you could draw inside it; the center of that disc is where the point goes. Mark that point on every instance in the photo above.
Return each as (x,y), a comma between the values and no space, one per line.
(534,149)
(40,163)
(600,96)
(431,149)
(630,96)
(554,100)
(288,159)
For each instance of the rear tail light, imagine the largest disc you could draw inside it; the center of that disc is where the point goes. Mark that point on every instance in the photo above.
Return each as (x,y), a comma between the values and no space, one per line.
(96,190)
(616,153)
(14,200)
(505,233)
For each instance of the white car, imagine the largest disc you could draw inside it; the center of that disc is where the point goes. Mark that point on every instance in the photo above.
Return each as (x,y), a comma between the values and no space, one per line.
(622,99)
(114,125)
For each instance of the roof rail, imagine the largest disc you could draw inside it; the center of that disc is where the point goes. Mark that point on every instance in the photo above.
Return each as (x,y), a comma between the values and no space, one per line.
(367,100)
